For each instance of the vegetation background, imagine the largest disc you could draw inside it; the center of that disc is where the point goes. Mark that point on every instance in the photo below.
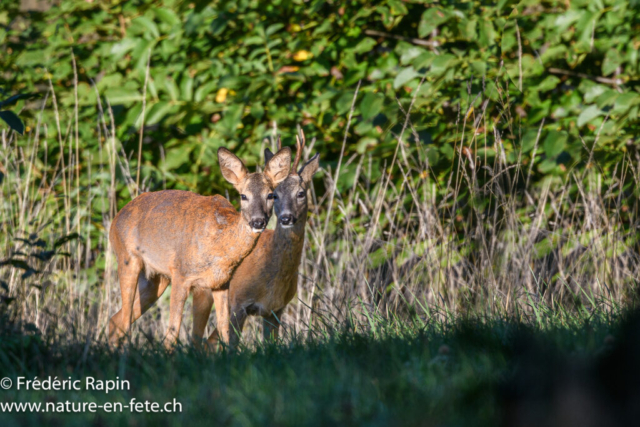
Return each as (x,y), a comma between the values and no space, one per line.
(479,161)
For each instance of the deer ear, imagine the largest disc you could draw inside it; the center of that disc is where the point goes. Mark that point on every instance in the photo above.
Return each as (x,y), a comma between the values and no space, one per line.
(268,155)
(307,171)
(278,166)
(232,168)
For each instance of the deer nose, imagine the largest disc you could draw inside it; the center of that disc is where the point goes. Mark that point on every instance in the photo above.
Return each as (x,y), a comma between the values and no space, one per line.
(258,223)
(287,219)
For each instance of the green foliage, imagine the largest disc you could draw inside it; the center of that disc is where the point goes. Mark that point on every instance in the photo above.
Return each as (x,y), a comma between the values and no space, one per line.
(10,117)
(222,73)
(13,121)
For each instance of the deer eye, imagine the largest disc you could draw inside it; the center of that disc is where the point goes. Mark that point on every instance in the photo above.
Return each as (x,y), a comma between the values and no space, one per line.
(243,197)
(275,196)
(270,196)
(301,194)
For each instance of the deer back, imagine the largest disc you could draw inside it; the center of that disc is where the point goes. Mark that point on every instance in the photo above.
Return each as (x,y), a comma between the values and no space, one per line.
(180,232)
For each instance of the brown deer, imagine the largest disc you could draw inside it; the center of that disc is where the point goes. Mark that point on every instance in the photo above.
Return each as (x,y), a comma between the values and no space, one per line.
(267,279)
(188,240)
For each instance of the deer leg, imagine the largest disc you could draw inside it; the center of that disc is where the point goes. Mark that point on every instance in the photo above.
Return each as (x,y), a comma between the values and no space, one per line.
(179,294)
(237,315)
(149,291)
(128,271)
(271,326)
(221,300)
(202,304)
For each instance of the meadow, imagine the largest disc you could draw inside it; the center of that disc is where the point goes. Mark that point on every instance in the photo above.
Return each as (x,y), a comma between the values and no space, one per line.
(471,255)
(458,373)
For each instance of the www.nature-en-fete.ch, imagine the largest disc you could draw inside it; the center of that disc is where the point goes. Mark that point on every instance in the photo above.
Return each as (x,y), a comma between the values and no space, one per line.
(88,384)
(133,406)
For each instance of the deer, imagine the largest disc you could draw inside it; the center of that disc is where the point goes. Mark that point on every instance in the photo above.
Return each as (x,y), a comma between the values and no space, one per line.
(188,240)
(267,279)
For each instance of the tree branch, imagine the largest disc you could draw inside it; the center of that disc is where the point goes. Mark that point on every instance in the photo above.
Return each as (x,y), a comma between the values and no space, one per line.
(419,42)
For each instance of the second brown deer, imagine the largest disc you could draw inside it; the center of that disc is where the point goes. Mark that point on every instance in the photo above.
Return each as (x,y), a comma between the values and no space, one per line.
(188,240)
(267,279)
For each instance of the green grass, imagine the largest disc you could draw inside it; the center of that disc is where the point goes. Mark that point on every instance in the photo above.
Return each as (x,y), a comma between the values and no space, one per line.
(445,373)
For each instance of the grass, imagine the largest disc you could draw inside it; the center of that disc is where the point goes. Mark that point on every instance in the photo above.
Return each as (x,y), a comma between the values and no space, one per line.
(452,373)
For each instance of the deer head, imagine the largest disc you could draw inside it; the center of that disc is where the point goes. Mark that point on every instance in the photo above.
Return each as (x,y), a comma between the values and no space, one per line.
(291,194)
(256,189)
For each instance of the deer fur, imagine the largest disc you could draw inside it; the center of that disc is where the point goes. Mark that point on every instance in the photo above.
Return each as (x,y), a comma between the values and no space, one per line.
(188,240)
(267,279)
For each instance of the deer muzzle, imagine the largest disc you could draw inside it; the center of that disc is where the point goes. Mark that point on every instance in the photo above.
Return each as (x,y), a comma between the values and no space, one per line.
(258,224)
(287,219)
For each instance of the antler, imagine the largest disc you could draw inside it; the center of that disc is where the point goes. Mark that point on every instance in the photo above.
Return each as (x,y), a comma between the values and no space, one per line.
(299,147)
(279,143)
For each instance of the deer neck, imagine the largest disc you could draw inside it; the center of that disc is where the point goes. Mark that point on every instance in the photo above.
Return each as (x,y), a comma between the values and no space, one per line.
(288,242)
(245,237)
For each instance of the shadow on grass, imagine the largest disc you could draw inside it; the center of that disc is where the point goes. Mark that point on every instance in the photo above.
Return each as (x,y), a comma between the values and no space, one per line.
(466,372)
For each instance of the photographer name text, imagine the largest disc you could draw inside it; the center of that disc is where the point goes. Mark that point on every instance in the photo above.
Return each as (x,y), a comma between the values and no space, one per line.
(88,383)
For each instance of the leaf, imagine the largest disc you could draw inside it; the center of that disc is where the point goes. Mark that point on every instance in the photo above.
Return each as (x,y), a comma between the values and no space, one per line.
(186,88)
(15,98)
(365,45)
(593,91)
(431,19)
(626,101)
(218,25)
(272,29)
(204,90)
(588,114)
(177,157)
(607,98)
(447,151)
(423,61)
(564,20)
(118,50)
(371,105)
(612,61)
(550,82)
(554,143)
(167,16)
(257,110)
(118,96)
(411,52)
(253,40)
(13,121)
(171,88)
(529,140)
(486,33)
(148,24)
(232,117)
(343,104)
(157,112)
(467,28)
(397,7)
(404,76)
(364,143)
(547,166)
(441,63)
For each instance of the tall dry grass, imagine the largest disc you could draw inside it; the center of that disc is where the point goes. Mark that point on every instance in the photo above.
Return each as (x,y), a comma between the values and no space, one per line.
(403,246)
